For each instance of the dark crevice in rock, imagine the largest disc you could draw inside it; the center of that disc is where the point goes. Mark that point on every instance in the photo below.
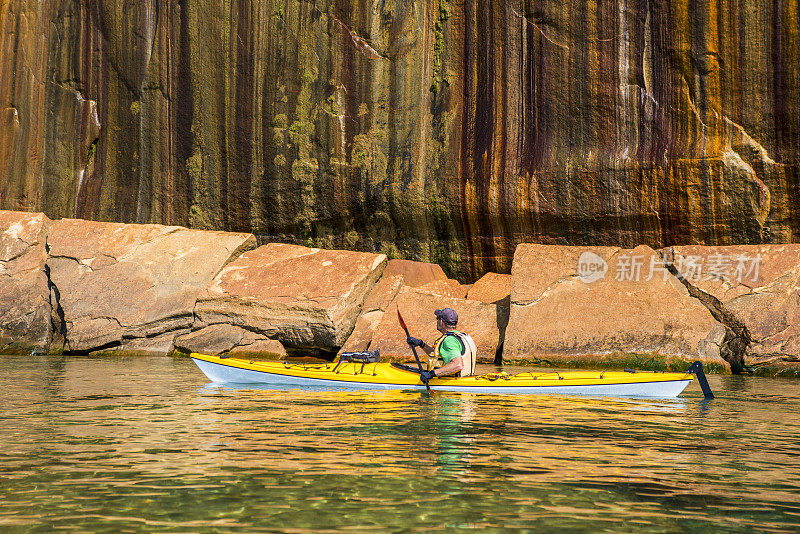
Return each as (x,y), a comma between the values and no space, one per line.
(108,346)
(110,318)
(58,320)
(502,315)
(737,338)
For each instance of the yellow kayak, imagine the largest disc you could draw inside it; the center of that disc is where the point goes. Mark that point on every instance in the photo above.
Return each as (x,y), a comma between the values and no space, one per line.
(380,375)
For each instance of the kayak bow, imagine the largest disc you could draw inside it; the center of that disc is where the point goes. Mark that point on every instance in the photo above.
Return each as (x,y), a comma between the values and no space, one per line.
(355,375)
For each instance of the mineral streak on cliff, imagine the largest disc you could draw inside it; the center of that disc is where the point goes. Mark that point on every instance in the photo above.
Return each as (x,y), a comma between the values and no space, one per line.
(436,130)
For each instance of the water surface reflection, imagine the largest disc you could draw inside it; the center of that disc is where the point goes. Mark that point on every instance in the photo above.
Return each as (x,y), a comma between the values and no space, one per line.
(128,444)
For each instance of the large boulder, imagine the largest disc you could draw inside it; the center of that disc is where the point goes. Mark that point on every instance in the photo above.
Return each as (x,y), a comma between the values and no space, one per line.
(372,312)
(398,274)
(759,285)
(232,339)
(604,305)
(25,310)
(445,288)
(304,297)
(414,273)
(478,319)
(492,288)
(119,282)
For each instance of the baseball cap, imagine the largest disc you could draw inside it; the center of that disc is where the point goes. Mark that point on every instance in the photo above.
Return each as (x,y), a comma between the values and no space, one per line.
(448,315)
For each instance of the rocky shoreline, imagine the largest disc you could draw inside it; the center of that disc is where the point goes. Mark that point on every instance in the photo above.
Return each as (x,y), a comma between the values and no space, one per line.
(86,287)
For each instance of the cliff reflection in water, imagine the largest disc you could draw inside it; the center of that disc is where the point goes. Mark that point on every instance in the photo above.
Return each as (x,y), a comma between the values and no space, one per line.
(132,443)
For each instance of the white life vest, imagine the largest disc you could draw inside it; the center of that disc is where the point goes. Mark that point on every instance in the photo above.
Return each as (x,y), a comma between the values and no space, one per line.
(469,353)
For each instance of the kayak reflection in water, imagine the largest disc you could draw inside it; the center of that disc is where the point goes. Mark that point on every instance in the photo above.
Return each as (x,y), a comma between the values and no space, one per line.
(453,352)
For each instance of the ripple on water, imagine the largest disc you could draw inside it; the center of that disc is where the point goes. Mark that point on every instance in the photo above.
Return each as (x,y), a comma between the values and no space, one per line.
(120,444)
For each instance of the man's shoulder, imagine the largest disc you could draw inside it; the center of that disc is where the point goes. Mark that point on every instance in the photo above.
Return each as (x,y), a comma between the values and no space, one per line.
(451,342)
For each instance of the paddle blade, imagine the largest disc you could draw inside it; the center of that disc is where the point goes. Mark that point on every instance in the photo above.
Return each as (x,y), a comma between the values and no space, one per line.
(402,322)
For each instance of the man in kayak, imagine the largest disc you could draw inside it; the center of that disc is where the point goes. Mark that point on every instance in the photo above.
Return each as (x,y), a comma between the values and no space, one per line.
(455,349)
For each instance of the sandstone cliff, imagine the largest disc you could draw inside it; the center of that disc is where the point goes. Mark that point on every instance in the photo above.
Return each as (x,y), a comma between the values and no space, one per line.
(432,130)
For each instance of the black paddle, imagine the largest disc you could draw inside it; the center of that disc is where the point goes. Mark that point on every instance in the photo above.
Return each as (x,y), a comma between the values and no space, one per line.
(697,369)
(413,348)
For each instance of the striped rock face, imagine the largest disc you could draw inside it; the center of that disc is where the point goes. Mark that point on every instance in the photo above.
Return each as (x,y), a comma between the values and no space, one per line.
(435,130)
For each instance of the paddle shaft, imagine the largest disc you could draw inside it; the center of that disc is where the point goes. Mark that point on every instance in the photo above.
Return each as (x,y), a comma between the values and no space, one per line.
(697,369)
(413,348)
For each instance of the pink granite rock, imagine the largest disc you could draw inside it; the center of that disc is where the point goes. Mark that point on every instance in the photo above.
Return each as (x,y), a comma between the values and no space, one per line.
(25,324)
(120,282)
(573,304)
(477,319)
(445,288)
(414,273)
(227,338)
(491,288)
(758,284)
(306,298)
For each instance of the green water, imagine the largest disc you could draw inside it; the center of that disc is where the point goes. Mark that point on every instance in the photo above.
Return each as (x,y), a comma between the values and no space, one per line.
(145,444)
